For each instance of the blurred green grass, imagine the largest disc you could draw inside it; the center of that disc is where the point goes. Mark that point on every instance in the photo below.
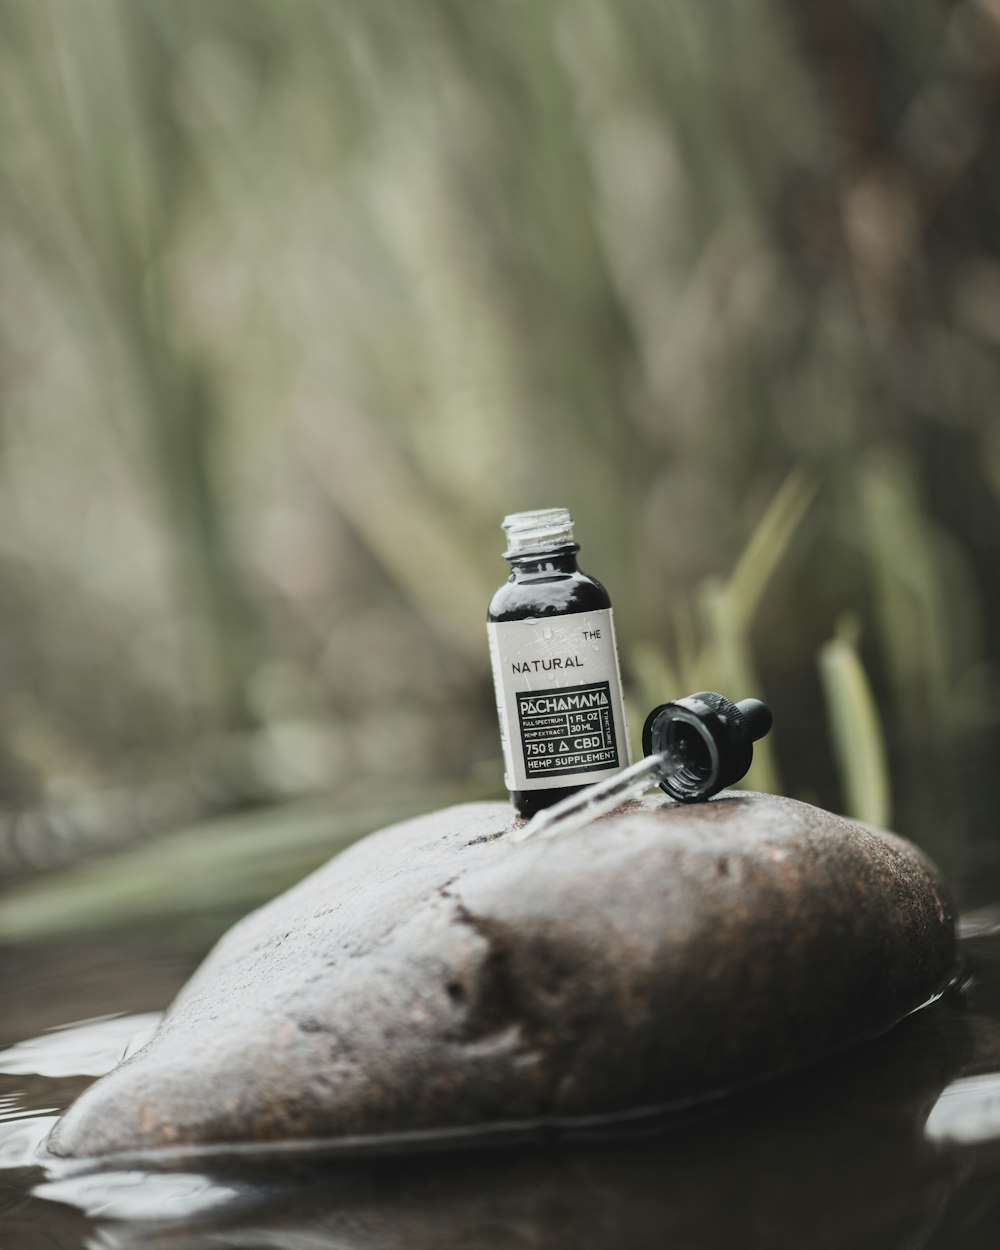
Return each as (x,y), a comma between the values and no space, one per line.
(296,303)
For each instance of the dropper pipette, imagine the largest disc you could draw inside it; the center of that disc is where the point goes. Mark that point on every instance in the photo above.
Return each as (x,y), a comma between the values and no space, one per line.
(695,747)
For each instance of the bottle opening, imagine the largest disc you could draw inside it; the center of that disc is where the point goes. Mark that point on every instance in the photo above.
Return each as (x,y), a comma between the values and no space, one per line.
(690,760)
(534,531)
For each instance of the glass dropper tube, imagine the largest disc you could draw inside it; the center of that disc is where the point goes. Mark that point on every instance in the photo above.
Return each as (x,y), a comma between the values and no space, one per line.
(588,804)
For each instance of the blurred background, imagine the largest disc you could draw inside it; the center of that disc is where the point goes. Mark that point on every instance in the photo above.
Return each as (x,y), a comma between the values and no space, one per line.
(297,301)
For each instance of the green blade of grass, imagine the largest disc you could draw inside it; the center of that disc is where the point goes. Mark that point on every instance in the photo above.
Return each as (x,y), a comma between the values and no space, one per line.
(855,729)
(768,544)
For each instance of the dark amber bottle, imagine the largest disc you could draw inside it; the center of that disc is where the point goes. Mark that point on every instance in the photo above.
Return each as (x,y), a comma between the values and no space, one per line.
(555,666)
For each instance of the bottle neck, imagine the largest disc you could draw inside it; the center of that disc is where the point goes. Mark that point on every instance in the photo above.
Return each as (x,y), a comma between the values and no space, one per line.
(544,561)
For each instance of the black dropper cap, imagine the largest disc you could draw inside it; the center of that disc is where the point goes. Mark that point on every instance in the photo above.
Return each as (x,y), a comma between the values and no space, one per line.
(705,741)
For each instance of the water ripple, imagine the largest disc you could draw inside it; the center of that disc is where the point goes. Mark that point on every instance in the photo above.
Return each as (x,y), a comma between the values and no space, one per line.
(85,1048)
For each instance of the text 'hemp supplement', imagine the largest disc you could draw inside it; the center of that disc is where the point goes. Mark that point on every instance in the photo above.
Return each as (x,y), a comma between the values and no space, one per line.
(555,666)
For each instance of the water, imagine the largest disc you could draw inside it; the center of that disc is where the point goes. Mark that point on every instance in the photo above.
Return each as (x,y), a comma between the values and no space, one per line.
(894,1145)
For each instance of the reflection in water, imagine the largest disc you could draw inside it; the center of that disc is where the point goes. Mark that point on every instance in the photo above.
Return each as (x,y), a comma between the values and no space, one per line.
(22,1134)
(868,1150)
(845,1140)
(11,1108)
(89,1048)
(981,923)
(132,1195)
(968,1111)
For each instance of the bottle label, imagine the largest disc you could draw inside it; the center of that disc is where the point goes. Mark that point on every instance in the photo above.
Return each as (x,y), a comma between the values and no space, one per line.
(559,699)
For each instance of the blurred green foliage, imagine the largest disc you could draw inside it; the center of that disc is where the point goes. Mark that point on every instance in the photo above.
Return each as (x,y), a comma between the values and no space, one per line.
(296,301)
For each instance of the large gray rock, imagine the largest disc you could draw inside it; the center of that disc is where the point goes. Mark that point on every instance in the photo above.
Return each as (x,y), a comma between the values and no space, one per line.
(833,1159)
(439,976)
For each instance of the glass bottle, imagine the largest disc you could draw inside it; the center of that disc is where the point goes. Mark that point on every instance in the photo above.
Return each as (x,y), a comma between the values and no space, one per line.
(555,666)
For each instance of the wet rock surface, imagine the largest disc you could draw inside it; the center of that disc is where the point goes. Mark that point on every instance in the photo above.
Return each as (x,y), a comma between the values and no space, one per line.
(833,1159)
(439,976)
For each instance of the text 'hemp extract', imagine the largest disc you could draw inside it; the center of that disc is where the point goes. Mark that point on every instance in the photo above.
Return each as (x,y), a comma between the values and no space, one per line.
(555,666)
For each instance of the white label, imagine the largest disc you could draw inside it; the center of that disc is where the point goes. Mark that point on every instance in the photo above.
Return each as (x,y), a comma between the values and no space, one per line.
(559,699)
